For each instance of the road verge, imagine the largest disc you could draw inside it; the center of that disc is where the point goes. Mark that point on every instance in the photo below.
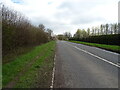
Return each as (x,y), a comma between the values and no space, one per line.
(113,48)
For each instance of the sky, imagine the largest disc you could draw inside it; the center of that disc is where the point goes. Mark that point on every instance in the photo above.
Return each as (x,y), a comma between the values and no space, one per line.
(67,15)
(119,12)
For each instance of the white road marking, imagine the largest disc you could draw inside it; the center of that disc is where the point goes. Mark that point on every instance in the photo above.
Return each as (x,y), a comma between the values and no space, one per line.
(53,74)
(96,56)
(97,48)
(107,51)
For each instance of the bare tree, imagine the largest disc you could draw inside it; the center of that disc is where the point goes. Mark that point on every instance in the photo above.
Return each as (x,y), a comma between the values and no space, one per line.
(111,28)
(17,31)
(115,28)
(106,30)
(88,31)
(42,27)
(49,32)
(96,29)
(93,31)
(101,29)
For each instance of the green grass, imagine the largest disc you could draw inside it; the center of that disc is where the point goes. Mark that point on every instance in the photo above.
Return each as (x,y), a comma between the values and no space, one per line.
(12,69)
(14,53)
(35,76)
(109,47)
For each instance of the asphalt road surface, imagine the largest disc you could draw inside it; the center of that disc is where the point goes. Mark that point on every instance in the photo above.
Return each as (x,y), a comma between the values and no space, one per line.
(81,66)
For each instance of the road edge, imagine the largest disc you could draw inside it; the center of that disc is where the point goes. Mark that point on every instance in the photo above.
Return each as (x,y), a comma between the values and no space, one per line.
(53,73)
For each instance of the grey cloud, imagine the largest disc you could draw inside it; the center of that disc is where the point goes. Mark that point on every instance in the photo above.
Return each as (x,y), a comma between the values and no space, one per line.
(80,6)
(46,21)
(39,20)
(78,12)
(86,20)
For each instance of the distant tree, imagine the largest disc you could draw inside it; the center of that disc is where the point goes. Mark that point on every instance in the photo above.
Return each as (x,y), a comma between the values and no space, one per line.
(96,29)
(42,27)
(111,28)
(60,37)
(78,34)
(93,31)
(118,28)
(84,33)
(101,29)
(115,28)
(88,31)
(49,32)
(106,30)
(67,35)
(81,34)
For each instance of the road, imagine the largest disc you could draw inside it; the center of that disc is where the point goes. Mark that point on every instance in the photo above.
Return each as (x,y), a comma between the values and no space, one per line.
(81,66)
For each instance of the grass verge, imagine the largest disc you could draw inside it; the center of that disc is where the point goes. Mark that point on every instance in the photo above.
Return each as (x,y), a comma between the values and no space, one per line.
(12,69)
(40,73)
(113,48)
(15,53)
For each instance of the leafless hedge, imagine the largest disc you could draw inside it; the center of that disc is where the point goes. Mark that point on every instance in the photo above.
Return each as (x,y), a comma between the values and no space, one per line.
(17,31)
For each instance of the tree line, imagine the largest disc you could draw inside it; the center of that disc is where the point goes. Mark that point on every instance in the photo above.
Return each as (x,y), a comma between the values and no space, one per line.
(104,34)
(107,29)
(17,31)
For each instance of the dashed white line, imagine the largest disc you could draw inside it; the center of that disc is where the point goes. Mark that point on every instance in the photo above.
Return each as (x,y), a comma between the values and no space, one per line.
(96,56)
(53,74)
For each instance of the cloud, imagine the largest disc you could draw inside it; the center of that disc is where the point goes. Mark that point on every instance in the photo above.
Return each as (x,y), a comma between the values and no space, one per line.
(67,15)
(87,20)
(17,1)
(119,12)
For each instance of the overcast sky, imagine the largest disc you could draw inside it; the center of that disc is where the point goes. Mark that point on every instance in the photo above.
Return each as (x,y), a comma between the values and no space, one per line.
(67,15)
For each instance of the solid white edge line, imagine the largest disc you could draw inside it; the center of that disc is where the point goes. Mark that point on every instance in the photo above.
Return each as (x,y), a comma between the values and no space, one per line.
(98,49)
(96,56)
(107,51)
(53,74)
